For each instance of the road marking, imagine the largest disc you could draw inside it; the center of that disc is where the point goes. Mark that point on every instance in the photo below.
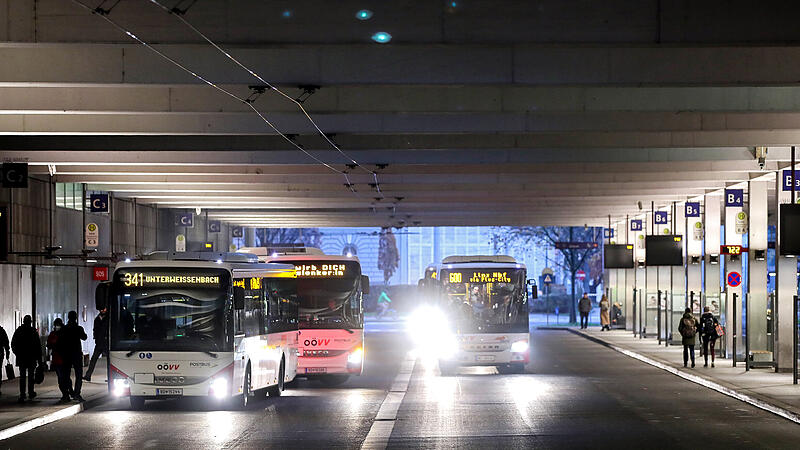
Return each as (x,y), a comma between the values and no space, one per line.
(785,413)
(39,421)
(383,424)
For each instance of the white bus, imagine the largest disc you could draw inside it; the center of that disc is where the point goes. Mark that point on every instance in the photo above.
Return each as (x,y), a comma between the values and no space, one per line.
(477,311)
(200,324)
(330,290)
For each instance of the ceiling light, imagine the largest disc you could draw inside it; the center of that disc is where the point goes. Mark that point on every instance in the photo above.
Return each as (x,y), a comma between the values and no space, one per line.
(287,14)
(364,14)
(382,37)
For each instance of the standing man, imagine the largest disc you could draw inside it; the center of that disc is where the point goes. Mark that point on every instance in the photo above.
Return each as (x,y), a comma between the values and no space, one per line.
(64,385)
(4,345)
(584,307)
(28,349)
(100,331)
(69,344)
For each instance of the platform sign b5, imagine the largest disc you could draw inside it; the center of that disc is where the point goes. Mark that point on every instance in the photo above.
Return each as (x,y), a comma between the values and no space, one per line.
(692,209)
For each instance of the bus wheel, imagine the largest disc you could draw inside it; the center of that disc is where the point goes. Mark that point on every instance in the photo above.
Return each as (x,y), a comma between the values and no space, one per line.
(242,401)
(333,380)
(275,391)
(517,367)
(137,403)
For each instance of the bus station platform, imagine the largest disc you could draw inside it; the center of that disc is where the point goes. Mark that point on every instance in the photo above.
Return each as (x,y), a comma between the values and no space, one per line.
(763,388)
(17,417)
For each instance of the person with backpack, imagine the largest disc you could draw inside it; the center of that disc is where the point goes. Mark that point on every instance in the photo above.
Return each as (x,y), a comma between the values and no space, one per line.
(28,349)
(708,334)
(70,348)
(688,330)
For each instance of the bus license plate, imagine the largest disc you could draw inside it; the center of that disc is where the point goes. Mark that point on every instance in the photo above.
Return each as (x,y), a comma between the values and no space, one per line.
(169,391)
(316,370)
(484,358)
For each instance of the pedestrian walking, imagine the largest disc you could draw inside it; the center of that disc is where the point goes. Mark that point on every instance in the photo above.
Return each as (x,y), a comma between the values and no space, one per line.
(584,308)
(71,350)
(708,334)
(100,332)
(28,349)
(688,330)
(57,361)
(4,345)
(605,314)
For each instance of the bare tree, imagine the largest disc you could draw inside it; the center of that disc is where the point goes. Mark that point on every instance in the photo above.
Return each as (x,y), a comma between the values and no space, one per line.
(523,239)
(388,255)
(272,236)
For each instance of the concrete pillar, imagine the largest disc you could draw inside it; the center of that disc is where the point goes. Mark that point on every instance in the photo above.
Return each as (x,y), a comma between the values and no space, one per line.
(733,264)
(438,241)
(757,270)
(677,299)
(693,236)
(711,286)
(785,290)
(629,276)
(249,237)
(640,272)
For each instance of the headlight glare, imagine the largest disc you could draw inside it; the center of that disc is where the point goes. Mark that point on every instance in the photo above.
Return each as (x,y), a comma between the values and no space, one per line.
(356,356)
(519,347)
(219,387)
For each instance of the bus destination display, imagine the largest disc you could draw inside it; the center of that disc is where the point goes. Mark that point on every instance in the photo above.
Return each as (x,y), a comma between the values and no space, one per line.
(320,270)
(476,276)
(140,279)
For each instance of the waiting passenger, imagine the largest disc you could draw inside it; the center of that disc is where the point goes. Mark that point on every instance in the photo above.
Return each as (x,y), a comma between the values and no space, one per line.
(708,334)
(584,308)
(58,362)
(28,349)
(688,330)
(605,314)
(69,345)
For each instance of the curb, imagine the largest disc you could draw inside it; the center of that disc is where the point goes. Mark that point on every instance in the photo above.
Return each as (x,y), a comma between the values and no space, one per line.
(37,420)
(713,385)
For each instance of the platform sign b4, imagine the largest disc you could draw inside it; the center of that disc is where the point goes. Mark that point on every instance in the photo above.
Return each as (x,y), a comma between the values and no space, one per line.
(734,198)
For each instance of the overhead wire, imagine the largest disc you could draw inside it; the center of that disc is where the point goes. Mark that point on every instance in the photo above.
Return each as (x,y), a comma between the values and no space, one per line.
(179,15)
(144,43)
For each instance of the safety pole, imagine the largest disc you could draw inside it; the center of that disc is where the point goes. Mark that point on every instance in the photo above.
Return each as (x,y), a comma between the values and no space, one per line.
(733,319)
(667,321)
(634,313)
(747,333)
(794,342)
(658,317)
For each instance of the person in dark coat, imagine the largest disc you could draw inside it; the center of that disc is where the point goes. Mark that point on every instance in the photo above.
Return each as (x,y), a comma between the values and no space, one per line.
(57,361)
(72,352)
(28,349)
(708,334)
(688,330)
(4,345)
(100,332)
(584,307)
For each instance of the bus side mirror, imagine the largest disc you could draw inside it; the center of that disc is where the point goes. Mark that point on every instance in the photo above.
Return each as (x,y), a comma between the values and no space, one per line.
(364,284)
(238,298)
(534,292)
(101,295)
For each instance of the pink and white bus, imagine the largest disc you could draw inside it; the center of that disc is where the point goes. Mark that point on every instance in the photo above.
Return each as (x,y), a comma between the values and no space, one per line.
(329,291)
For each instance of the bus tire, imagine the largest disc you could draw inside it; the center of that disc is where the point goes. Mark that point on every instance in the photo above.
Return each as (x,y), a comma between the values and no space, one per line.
(137,402)
(446,368)
(517,367)
(275,391)
(241,401)
(333,380)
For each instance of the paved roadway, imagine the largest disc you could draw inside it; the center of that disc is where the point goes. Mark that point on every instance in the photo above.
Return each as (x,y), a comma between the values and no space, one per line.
(576,394)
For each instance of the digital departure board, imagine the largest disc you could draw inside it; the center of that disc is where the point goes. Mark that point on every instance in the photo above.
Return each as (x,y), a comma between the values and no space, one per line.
(479,276)
(732,249)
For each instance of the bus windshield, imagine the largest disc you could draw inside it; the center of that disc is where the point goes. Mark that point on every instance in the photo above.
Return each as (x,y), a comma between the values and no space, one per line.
(170,309)
(486,300)
(328,292)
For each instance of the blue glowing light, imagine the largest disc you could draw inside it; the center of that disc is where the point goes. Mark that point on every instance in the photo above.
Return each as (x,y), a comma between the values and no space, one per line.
(454,4)
(286,14)
(381,37)
(364,14)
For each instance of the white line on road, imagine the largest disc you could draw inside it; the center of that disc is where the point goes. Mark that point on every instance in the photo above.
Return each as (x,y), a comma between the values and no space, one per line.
(382,426)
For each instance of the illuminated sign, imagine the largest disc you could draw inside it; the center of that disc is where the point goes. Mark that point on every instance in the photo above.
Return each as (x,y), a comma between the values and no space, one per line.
(479,277)
(320,270)
(142,279)
(732,249)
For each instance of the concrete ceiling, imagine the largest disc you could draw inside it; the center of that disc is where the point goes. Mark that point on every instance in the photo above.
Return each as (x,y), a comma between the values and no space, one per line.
(459,128)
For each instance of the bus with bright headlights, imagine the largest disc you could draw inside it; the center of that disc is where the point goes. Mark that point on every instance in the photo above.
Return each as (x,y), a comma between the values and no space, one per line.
(216,325)
(330,292)
(479,314)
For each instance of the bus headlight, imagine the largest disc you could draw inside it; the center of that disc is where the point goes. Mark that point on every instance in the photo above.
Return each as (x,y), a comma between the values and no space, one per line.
(519,347)
(121,387)
(219,387)
(356,356)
